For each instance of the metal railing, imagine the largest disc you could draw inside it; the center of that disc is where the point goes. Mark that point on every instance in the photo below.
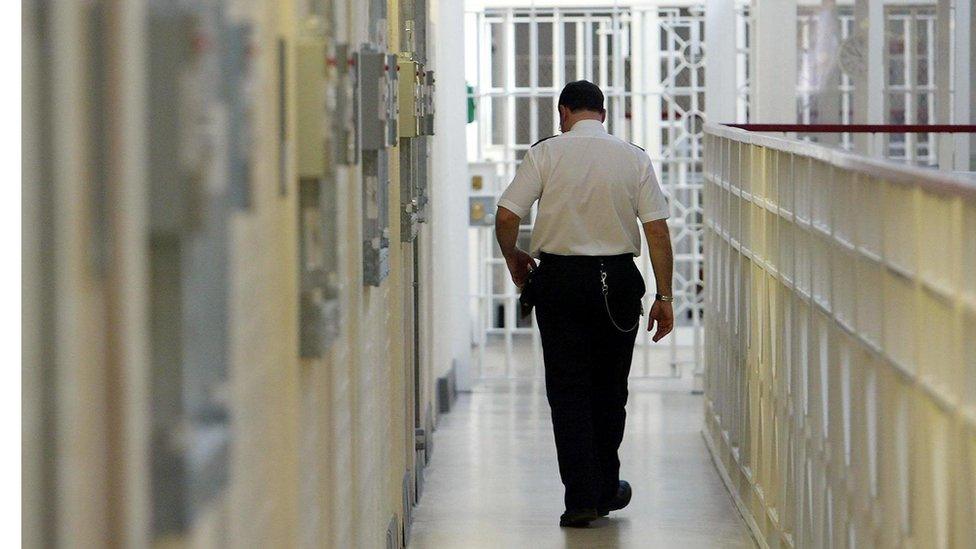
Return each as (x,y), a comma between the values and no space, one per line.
(840,343)
(943,146)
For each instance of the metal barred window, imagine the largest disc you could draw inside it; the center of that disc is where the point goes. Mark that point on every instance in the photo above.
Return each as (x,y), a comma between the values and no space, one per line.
(909,58)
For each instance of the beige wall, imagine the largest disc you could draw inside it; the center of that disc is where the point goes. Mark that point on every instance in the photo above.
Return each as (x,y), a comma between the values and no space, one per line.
(319,447)
(449,219)
(84,356)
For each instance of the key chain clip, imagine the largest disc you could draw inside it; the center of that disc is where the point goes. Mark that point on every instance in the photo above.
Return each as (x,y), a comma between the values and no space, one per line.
(606,303)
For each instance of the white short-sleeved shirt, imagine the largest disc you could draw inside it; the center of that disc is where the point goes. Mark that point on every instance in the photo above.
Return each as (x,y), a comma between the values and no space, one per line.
(592,188)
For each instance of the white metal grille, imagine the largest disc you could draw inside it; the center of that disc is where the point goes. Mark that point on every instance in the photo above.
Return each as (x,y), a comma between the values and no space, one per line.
(650,64)
(910,80)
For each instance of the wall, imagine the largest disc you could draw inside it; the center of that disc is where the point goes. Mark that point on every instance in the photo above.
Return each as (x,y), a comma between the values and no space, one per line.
(320,448)
(84,356)
(449,225)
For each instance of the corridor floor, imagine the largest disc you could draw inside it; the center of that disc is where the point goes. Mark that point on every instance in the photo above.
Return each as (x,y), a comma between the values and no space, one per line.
(493,480)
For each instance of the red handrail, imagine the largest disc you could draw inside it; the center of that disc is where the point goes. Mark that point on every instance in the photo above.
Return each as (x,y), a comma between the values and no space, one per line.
(857,128)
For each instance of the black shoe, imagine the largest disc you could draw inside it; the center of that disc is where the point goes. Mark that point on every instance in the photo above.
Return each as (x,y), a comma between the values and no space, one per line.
(578,518)
(619,501)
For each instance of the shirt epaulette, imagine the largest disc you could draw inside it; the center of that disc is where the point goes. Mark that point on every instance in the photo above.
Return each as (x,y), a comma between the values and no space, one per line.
(543,139)
(638,146)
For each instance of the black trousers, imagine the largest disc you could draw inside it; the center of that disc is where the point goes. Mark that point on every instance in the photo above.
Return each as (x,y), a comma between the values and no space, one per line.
(587,361)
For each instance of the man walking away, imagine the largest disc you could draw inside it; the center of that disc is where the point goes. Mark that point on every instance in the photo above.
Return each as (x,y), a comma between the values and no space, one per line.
(592,189)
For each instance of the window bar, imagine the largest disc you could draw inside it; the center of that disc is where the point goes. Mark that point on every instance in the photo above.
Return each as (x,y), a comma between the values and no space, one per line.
(558,64)
(636,77)
(509,40)
(588,43)
(910,84)
(580,50)
(533,77)
(668,126)
(617,76)
(533,134)
(643,25)
(651,87)
(601,43)
(478,87)
(939,36)
(696,206)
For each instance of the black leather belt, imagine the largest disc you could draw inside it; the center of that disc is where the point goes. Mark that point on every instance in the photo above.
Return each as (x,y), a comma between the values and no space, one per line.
(554,259)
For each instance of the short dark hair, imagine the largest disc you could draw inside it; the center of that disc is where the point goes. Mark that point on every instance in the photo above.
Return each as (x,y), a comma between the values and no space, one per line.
(582,95)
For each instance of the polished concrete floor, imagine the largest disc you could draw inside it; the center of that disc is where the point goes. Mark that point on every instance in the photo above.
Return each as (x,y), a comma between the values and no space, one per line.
(521,357)
(493,481)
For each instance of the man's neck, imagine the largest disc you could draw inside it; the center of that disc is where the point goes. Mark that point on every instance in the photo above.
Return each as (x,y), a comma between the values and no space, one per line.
(584,116)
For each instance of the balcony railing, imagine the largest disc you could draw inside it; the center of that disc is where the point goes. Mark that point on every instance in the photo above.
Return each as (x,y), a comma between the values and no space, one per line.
(945,146)
(840,343)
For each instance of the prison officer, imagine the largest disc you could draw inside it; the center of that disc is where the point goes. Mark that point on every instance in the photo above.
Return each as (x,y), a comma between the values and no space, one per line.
(592,189)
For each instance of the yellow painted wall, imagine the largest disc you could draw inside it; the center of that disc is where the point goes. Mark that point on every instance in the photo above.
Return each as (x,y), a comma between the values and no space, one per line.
(319,447)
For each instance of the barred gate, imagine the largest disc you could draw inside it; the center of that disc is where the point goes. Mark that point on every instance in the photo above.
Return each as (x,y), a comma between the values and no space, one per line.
(650,64)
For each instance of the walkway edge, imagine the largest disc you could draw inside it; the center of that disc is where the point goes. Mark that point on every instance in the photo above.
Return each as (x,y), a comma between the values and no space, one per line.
(744,513)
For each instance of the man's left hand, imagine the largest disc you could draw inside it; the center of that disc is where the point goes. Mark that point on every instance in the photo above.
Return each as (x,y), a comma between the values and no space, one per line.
(663,314)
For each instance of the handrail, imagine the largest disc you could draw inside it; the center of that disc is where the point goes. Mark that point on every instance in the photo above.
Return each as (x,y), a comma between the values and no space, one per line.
(935,180)
(857,128)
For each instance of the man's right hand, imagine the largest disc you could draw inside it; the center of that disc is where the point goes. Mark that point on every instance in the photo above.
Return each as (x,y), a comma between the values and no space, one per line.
(519,265)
